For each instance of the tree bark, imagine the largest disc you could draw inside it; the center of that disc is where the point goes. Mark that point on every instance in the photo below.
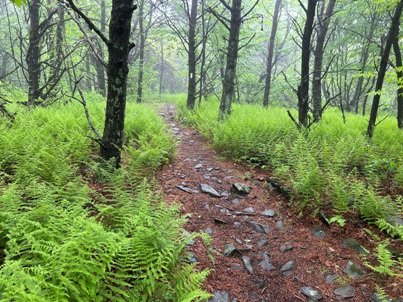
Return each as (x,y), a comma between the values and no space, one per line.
(318,62)
(192,56)
(141,53)
(33,53)
(118,51)
(393,31)
(303,87)
(399,75)
(228,90)
(269,66)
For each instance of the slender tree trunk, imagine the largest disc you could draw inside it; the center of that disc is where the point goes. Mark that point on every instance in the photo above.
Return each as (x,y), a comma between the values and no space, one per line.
(318,62)
(228,90)
(98,65)
(399,74)
(162,71)
(393,31)
(33,53)
(192,56)
(141,53)
(269,66)
(303,87)
(118,53)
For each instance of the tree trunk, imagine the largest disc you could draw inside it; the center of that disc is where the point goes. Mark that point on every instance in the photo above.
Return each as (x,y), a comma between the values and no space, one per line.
(98,65)
(303,87)
(33,53)
(162,71)
(392,35)
(399,74)
(318,62)
(118,51)
(192,56)
(228,90)
(269,66)
(141,53)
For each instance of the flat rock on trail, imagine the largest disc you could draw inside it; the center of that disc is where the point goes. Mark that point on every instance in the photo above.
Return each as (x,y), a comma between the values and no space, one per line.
(262,251)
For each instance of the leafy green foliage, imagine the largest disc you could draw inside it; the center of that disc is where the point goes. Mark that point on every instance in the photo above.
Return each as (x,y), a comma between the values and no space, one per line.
(331,166)
(63,240)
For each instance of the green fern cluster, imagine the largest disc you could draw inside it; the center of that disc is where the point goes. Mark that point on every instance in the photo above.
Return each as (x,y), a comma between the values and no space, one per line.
(331,165)
(125,247)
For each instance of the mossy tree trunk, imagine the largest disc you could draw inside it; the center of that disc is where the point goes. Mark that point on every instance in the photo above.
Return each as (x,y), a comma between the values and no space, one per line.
(119,47)
(228,87)
(303,87)
(393,32)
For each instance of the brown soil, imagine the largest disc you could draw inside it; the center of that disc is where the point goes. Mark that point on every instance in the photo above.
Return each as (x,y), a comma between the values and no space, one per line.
(314,258)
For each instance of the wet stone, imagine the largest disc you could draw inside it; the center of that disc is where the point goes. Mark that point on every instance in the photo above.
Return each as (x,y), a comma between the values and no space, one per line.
(288,268)
(353,244)
(220,297)
(344,292)
(261,228)
(353,270)
(330,278)
(249,210)
(311,293)
(209,169)
(280,225)
(286,247)
(192,258)
(265,264)
(241,188)
(262,242)
(219,221)
(198,166)
(208,190)
(318,231)
(230,250)
(209,231)
(269,213)
(185,189)
(248,265)
(235,201)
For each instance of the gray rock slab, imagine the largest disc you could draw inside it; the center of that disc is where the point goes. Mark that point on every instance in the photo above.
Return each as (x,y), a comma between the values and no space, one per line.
(318,231)
(206,189)
(198,166)
(220,297)
(265,263)
(353,244)
(231,250)
(249,210)
(269,213)
(235,201)
(353,270)
(209,231)
(344,292)
(185,189)
(241,188)
(258,227)
(280,225)
(286,247)
(330,278)
(248,265)
(288,268)
(209,169)
(192,258)
(311,293)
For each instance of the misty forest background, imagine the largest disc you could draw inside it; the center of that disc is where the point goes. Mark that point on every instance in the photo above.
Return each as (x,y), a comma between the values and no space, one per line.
(309,90)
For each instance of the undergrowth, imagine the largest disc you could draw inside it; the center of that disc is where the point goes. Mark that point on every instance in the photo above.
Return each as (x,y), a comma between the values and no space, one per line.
(331,167)
(74,229)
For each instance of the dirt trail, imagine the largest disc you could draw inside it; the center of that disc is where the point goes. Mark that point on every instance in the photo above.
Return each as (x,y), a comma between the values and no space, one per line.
(235,218)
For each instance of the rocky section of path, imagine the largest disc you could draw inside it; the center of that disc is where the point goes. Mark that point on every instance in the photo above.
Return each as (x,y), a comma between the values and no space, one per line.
(262,251)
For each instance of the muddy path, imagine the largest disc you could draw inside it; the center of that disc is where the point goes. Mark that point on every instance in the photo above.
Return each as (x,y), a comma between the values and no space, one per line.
(262,250)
